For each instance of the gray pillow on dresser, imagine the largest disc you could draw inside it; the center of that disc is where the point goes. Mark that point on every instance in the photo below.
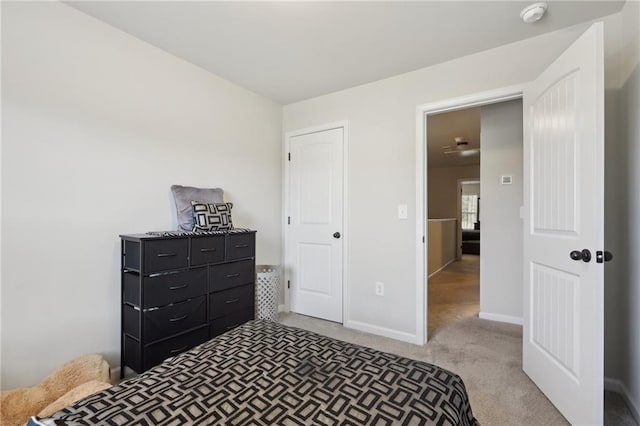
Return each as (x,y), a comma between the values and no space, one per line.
(184,195)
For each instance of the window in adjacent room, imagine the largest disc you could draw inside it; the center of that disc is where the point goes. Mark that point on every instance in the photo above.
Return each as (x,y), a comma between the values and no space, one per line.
(469,210)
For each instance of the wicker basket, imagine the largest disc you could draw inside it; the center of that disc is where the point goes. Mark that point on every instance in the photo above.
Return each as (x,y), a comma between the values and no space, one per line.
(267,292)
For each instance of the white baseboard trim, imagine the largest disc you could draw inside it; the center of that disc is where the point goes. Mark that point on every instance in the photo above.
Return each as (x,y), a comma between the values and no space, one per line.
(282,308)
(382,331)
(618,386)
(442,267)
(500,318)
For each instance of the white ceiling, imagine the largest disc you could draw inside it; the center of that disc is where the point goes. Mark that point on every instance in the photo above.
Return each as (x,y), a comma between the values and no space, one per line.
(290,51)
(443,128)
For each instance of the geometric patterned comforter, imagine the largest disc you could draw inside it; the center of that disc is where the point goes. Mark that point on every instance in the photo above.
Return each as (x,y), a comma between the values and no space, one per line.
(265,373)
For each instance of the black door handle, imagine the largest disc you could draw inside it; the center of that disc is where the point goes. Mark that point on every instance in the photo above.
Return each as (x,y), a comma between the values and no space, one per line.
(584,255)
(603,256)
(336,235)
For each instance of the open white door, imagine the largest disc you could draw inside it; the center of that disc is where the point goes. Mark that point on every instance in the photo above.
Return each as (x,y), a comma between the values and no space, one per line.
(315,223)
(564,212)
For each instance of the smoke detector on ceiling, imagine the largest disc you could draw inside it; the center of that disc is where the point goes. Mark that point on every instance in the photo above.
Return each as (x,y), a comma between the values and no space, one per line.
(533,13)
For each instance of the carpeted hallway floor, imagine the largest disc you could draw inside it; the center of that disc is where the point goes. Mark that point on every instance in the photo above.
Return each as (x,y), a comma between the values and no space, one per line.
(454,293)
(486,354)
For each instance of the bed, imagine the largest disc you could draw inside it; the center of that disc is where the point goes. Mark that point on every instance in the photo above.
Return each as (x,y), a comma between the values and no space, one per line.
(265,373)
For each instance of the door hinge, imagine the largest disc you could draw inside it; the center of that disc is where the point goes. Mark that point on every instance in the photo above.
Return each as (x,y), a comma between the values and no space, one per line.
(423,239)
(289,156)
(288,220)
(288,284)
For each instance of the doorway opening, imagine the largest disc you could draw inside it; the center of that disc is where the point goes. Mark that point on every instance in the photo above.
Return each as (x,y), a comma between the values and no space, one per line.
(422,113)
(453,181)
(487,156)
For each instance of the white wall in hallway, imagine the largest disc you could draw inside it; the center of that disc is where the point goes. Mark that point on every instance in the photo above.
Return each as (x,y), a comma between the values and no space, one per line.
(622,234)
(442,189)
(500,225)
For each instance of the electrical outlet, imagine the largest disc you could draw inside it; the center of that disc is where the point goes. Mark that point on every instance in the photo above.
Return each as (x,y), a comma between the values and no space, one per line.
(379,289)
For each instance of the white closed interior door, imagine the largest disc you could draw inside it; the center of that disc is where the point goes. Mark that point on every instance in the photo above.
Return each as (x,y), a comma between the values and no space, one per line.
(564,212)
(315,229)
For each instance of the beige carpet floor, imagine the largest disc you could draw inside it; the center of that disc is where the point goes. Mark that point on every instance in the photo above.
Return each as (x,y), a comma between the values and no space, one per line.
(454,293)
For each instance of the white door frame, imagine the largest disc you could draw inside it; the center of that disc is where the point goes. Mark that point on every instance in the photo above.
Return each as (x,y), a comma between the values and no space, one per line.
(422,111)
(344,125)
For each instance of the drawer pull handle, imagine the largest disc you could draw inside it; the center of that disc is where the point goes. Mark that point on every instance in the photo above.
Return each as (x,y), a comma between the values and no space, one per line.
(178,319)
(233,275)
(206,250)
(229,327)
(178,287)
(228,302)
(242,245)
(166,254)
(176,351)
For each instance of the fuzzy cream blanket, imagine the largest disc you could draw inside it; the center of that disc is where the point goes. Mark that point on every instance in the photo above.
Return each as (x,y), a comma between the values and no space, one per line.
(72,382)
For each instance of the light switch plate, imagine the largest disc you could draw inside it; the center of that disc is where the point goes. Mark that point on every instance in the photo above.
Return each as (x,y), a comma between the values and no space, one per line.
(402,211)
(506,179)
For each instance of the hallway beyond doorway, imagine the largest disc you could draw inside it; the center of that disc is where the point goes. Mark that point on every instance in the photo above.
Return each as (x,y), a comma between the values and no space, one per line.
(454,293)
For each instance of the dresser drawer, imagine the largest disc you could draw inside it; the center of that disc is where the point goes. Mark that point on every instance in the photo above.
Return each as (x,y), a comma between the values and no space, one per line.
(173,319)
(229,301)
(164,255)
(231,275)
(164,289)
(207,250)
(158,352)
(226,323)
(132,354)
(131,288)
(131,321)
(240,246)
(131,255)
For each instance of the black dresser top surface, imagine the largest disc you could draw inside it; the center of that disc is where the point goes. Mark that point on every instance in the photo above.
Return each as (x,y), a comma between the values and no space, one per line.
(164,235)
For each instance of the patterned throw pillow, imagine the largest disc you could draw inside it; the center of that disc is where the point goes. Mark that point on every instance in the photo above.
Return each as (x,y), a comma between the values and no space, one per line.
(211,217)
(183,195)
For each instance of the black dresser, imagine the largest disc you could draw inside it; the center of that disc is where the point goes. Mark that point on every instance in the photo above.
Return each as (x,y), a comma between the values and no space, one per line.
(181,290)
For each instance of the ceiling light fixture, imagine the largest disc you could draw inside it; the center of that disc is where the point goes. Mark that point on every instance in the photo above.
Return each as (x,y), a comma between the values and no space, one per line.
(461,148)
(461,143)
(533,13)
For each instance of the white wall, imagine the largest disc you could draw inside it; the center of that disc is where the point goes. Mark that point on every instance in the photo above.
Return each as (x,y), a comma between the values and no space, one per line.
(471,189)
(96,127)
(442,189)
(501,226)
(443,234)
(382,165)
(622,275)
